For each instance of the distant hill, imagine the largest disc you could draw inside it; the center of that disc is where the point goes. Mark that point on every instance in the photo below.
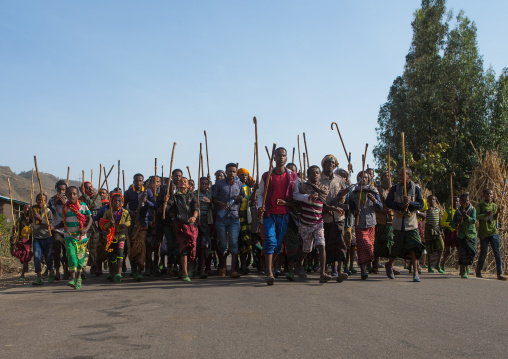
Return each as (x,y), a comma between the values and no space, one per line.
(20,183)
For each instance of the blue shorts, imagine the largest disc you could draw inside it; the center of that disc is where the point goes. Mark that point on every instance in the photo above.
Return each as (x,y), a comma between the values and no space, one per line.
(275,227)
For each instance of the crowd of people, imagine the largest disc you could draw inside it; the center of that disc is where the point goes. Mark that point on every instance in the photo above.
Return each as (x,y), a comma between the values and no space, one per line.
(287,225)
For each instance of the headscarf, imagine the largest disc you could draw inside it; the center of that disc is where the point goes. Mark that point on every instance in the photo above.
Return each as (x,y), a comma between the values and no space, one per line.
(342,171)
(327,158)
(365,188)
(250,180)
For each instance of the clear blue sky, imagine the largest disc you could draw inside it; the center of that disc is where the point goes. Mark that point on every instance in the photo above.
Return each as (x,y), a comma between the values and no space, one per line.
(89,82)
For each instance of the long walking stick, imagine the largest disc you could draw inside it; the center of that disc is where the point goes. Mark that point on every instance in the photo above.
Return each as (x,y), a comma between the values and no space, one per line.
(404,161)
(299,157)
(361,183)
(12,206)
(199,181)
(68,171)
(118,178)
(104,168)
(123,176)
(42,194)
(100,176)
(155,180)
(349,167)
(170,173)
(254,163)
(91,175)
(293,158)
(304,174)
(83,175)
(268,178)
(268,153)
(257,149)
(207,160)
(343,146)
(306,150)
(389,171)
(188,170)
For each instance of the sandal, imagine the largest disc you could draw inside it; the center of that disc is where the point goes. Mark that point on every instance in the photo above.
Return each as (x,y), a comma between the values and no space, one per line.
(118,278)
(324,278)
(270,280)
(78,284)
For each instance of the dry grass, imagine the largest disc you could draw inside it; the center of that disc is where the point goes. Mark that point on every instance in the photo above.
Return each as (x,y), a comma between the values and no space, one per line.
(491,173)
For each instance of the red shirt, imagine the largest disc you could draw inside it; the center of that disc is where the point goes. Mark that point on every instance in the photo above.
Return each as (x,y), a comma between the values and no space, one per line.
(279,184)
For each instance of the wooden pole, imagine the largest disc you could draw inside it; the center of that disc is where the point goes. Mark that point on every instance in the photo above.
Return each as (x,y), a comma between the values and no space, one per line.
(91,176)
(155,180)
(162,175)
(207,159)
(299,157)
(306,150)
(104,168)
(12,206)
(254,163)
(304,173)
(100,177)
(118,178)
(404,161)
(293,158)
(361,182)
(389,171)
(42,194)
(349,167)
(68,171)
(199,181)
(170,173)
(83,181)
(257,149)
(123,175)
(268,153)
(343,146)
(268,178)
(451,192)
(188,170)
(107,185)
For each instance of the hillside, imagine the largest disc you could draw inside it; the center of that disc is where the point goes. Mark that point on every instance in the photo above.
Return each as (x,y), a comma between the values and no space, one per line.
(20,183)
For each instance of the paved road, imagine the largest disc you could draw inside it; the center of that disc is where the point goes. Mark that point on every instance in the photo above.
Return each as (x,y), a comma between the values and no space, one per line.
(441,317)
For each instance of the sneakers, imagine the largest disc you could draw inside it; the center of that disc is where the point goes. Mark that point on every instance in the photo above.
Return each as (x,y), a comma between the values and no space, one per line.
(290,276)
(78,284)
(365,275)
(324,278)
(38,282)
(234,275)
(389,272)
(341,277)
(270,280)
(71,283)
(416,279)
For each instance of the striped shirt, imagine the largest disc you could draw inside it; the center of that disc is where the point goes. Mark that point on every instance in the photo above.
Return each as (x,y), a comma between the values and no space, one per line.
(72,222)
(432,219)
(311,213)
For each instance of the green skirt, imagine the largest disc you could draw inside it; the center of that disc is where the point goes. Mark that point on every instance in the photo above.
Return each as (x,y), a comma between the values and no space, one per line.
(383,240)
(467,250)
(405,242)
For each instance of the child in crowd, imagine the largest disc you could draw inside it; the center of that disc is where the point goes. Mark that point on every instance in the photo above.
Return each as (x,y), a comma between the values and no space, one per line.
(450,234)
(42,240)
(433,237)
(464,220)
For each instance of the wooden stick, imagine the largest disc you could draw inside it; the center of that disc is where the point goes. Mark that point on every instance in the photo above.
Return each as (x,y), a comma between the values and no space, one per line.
(254,163)
(68,171)
(389,171)
(170,173)
(199,180)
(42,194)
(106,180)
(451,192)
(256,149)
(12,206)
(91,175)
(268,153)
(118,178)
(100,176)
(207,160)
(404,161)
(188,170)
(155,180)
(268,177)
(123,175)
(349,166)
(293,158)
(104,168)
(343,146)
(304,173)
(32,190)
(299,157)
(110,200)
(306,150)
(361,183)
(83,176)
